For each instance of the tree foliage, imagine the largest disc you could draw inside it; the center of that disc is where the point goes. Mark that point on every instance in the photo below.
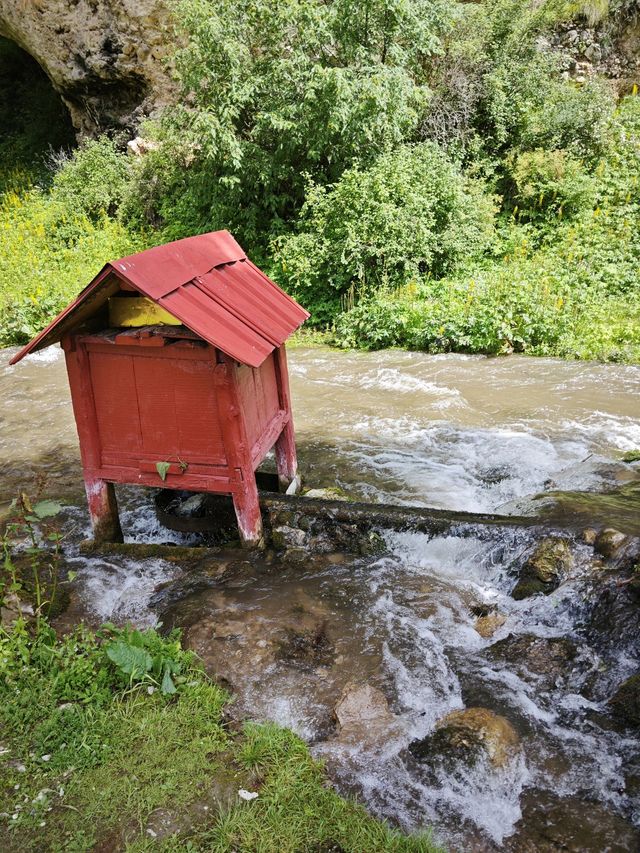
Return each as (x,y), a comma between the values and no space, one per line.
(276,91)
(410,214)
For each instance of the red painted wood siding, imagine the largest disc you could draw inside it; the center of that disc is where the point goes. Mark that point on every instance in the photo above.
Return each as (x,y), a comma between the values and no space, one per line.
(155,405)
(258,390)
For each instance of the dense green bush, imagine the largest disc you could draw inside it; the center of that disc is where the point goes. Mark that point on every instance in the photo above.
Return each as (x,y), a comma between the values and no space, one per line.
(275,92)
(93,180)
(410,214)
(550,183)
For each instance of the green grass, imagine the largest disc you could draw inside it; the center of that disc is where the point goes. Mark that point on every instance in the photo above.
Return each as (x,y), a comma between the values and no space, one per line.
(95,760)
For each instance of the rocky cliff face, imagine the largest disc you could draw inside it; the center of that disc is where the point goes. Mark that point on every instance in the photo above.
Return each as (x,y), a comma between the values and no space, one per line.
(610,48)
(106,58)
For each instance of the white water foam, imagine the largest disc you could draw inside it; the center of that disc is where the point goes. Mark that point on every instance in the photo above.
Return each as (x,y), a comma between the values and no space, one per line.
(455,468)
(120,589)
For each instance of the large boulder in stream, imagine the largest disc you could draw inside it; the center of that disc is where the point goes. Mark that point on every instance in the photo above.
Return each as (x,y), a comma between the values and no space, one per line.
(544,569)
(465,736)
(625,702)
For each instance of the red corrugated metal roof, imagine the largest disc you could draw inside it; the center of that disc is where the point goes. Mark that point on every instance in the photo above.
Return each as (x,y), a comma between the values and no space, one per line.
(208,283)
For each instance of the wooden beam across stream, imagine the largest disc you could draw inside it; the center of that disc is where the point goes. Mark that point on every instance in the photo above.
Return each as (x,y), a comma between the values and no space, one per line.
(312,524)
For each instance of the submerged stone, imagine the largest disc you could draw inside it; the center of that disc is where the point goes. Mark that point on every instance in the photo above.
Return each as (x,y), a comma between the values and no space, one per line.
(363,715)
(466,735)
(551,823)
(306,647)
(625,702)
(487,625)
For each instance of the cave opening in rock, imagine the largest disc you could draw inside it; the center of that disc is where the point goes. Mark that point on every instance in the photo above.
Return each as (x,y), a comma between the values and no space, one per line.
(35,122)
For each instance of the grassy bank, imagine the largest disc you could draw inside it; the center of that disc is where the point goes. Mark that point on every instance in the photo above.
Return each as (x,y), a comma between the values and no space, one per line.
(95,757)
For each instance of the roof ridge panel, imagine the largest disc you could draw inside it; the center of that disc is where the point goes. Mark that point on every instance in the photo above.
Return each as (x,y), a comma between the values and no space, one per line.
(198,311)
(162,269)
(219,282)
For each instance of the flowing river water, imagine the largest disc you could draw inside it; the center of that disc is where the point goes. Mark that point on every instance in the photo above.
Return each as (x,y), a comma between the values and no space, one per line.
(291,636)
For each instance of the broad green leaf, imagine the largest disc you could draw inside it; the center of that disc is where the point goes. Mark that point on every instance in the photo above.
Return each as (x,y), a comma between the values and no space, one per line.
(132,660)
(162,468)
(45,509)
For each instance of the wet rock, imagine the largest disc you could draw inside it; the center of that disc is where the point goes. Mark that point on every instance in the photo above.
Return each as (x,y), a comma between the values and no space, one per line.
(544,569)
(466,735)
(625,703)
(372,544)
(363,715)
(589,535)
(609,541)
(329,494)
(487,625)
(288,537)
(550,824)
(13,609)
(549,658)
(494,474)
(306,647)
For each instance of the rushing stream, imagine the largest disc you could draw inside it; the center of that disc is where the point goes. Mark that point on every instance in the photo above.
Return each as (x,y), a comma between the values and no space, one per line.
(291,636)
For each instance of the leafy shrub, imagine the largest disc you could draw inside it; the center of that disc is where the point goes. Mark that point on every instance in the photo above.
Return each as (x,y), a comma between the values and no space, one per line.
(275,91)
(411,213)
(531,107)
(91,181)
(550,182)
(145,657)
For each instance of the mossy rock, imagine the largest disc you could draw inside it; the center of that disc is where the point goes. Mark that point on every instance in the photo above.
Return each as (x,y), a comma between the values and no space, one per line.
(466,735)
(531,586)
(625,702)
(544,569)
(548,658)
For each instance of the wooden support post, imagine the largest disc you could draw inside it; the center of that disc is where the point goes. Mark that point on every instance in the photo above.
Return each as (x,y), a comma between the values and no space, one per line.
(247,507)
(238,451)
(286,458)
(103,510)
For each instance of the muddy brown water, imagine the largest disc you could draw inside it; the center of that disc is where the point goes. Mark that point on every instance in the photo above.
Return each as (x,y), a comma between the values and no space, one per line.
(291,634)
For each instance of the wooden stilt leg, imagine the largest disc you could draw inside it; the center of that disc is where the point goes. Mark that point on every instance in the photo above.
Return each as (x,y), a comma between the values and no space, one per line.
(103,510)
(286,459)
(248,514)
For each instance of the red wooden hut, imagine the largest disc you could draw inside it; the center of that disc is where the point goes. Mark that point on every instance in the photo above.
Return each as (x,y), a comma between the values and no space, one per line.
(196,396)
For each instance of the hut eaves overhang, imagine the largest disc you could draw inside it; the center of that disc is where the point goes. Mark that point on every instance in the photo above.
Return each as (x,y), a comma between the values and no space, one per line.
(208,283)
